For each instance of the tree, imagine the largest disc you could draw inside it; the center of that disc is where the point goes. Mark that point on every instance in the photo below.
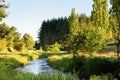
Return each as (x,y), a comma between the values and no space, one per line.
(4,29)
(28,41)
(73,24)
(54,30)
(116,26)
(100,14)
(89,39)
(3,6)
(73,27)
(10,37)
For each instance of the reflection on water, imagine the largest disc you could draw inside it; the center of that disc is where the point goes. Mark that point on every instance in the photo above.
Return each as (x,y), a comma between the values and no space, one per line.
(37,66)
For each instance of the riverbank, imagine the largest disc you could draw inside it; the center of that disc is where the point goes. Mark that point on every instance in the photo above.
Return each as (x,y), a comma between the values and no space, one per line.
(101,67)
(97,67)
(10,61)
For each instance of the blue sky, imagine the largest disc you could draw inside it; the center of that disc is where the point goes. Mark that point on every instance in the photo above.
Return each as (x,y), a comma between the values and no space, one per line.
(27,15)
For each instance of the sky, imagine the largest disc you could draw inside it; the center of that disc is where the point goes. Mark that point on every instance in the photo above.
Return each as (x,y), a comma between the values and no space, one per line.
(27,15)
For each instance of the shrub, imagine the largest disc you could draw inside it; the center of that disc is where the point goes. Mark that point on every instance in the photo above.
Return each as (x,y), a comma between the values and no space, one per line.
(90,39)
(19,46)
(3,44)
(99,65)
(53,48)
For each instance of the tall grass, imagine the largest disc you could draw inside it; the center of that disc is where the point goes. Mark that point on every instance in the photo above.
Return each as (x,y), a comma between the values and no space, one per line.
(9,62)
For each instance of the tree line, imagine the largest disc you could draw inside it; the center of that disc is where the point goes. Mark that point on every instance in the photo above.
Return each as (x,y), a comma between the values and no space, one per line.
(83,33)
(10,38)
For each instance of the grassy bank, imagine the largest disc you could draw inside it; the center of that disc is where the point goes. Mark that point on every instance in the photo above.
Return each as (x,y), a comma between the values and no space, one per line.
(6,74)
(100,67)
(10,61)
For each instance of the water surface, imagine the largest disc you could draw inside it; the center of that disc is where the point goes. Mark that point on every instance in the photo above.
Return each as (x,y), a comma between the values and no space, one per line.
(37,67)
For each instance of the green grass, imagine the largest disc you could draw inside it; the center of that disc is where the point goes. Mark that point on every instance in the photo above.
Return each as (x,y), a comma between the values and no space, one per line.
(86,66)
(8,62)
(13,75)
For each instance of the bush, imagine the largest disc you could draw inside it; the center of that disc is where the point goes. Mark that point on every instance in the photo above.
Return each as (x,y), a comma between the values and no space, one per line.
(101,77)
(53,48)
(99,65)
(90,39)
(64,63)
(3,44)
(19,46)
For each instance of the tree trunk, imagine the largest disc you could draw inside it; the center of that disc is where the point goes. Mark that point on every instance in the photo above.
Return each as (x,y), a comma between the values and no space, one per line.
(118,49)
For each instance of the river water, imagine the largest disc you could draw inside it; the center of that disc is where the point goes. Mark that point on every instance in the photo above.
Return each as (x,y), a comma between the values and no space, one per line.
(37,67)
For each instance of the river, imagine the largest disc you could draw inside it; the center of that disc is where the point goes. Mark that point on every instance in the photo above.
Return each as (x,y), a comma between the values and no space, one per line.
(37,67)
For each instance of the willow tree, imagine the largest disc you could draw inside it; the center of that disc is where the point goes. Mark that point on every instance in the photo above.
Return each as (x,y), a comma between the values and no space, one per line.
(100,14)
(116,27)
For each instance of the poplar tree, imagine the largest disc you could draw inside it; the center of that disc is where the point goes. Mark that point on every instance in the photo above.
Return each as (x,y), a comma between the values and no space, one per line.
(116,17)
(100,17)
(74,29)
(73,24)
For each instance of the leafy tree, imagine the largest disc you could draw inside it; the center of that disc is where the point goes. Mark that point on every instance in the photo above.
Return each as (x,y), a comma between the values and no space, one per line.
(89,39)
(73,27)
(28,41)
(4,29)
(100,14)
(3,7)
(116,21)
(73,24)
(10,37)
(19,46)
(53,48)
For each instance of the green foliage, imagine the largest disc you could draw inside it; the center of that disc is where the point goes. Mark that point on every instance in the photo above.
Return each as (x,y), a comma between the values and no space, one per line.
(100,12)
(54,30)
(53,48)
(10,37)
(4,29)
(89,39)
(19,46)
(3,7)
(99,65)
(63,63)
(115,13)
(73,24)
(101,77)
(28,41)
(3,44)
